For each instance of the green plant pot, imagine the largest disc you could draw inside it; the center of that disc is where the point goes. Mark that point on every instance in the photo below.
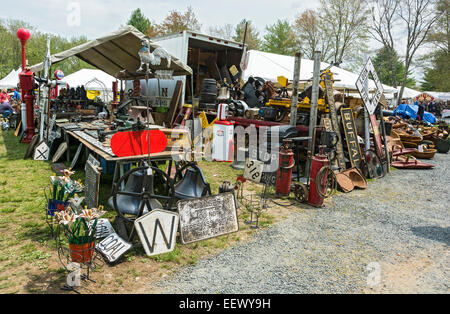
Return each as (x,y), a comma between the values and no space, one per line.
(442,146)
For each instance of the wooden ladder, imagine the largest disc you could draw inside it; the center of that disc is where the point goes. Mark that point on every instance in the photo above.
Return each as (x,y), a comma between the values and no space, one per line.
(182,117)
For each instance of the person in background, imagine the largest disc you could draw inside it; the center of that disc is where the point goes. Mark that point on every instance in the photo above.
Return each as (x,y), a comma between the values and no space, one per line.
(420,112)
(439,108)
(16,95)
(6,109)
(4,97)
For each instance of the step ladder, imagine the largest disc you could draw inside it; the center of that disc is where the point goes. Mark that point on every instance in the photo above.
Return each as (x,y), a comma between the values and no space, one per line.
(184,115)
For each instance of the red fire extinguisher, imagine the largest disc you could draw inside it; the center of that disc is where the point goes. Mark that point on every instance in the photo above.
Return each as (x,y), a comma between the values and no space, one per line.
(284,175)
(317,163)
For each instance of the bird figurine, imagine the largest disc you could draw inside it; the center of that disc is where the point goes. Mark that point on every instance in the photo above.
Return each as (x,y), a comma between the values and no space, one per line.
(153,58)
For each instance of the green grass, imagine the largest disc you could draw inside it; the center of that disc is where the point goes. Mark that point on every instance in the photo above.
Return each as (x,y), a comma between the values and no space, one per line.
(26,243)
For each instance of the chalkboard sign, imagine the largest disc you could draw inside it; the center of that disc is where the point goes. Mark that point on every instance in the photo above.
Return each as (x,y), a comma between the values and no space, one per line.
(208,217)
(92,184)
(269,178)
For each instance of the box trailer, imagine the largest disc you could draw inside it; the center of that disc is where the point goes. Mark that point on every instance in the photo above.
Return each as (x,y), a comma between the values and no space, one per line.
(208,56)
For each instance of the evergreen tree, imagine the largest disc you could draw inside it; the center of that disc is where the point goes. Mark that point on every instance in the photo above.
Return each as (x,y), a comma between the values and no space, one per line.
(280,39)
(140,21)
(383,67)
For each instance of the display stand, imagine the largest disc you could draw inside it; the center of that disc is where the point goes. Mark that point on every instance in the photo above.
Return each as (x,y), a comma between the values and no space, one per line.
(78,263)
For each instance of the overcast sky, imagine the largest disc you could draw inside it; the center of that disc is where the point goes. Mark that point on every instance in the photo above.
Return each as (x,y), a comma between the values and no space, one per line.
(99,17)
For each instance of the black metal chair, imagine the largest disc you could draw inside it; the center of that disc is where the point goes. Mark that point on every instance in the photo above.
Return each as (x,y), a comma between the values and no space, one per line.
(146,189)
(191,183)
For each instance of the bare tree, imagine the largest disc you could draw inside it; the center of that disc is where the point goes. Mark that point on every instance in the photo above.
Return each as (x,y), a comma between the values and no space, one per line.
(384,13)
(177,22)
(346,22)
(418,16)
(226,31)
(311,35)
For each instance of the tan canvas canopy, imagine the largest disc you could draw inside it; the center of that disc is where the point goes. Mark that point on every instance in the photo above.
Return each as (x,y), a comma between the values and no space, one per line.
(117,55)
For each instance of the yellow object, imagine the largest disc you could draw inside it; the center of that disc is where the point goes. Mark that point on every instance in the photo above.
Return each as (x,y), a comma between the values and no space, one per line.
(303,105)
(233,70)
(204,120)
(283,81)
(91,94)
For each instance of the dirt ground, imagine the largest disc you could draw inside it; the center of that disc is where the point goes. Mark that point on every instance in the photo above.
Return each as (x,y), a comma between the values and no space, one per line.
(29,261)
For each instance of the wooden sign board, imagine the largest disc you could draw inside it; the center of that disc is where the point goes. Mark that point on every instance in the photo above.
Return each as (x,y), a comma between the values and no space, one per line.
(94,162)
(333,115)
(157,231)
(41,152)
(351,135)
(77,155)
(253,170)
(95,142)
(207,218)
(92,185)
(113,247)
(59,152)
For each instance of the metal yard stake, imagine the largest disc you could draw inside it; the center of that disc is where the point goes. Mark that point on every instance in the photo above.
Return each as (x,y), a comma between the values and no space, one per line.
(313,112)
(298,62)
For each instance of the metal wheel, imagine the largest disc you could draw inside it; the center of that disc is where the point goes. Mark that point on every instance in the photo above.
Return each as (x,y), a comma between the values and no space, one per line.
(373,167)
(326,182)
(281,114)
(161,190)
(300,192)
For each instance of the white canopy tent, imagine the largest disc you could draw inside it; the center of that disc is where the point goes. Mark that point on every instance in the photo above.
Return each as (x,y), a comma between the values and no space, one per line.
(91,76)
(11,80)
(439,95)
(269,66)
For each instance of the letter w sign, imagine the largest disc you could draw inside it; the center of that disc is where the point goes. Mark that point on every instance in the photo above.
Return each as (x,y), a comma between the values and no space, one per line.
(157,231)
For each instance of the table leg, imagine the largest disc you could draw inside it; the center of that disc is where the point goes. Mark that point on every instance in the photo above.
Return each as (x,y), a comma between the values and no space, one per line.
(66,137)
(122,172)
(115,178)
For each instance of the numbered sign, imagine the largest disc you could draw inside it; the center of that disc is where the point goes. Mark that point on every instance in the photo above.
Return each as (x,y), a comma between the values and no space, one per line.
(253,170)
(113,247)
(157,231)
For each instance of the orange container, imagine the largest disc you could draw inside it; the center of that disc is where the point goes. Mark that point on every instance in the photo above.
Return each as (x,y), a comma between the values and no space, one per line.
(81,253)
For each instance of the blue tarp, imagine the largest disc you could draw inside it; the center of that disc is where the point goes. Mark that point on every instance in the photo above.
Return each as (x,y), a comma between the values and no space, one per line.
(410,112)
(429,117)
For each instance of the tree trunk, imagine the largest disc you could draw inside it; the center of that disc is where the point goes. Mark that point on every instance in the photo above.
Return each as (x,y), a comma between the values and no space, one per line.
(405,77)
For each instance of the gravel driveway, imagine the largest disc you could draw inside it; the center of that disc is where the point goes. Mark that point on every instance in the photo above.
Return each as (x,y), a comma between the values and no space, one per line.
(391,238)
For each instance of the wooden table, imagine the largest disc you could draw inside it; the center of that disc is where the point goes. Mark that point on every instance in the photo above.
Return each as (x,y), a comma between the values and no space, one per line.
(104,151)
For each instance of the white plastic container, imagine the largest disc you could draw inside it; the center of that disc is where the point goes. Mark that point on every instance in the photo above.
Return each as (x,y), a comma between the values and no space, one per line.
(223,141)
